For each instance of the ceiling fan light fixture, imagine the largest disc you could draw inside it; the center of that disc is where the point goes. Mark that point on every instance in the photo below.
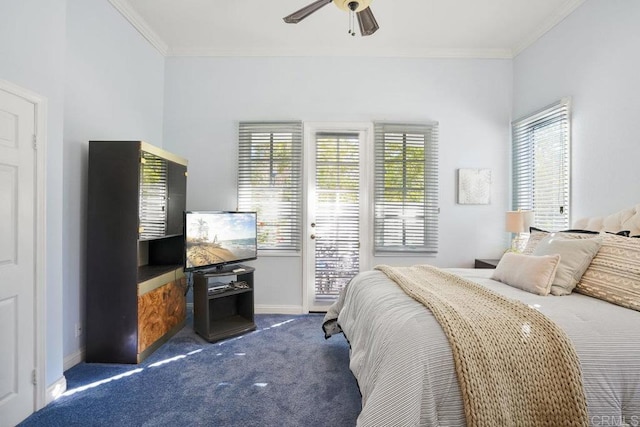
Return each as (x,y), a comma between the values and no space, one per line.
(346,5)
(356,9)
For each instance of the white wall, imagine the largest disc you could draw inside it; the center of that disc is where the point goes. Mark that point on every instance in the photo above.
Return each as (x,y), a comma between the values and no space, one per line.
(113,91)
(594,57)
(32,45)
(102,80)
(471,99)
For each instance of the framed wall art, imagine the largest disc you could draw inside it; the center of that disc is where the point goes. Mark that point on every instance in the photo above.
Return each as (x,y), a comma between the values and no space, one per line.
(474,186)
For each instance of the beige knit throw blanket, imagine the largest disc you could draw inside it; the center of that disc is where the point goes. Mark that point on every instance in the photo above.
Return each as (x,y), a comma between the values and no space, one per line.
(515,366)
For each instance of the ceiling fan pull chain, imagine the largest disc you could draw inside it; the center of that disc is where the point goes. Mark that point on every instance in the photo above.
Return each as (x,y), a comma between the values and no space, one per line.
(351,30)
(353,23)
(353,5)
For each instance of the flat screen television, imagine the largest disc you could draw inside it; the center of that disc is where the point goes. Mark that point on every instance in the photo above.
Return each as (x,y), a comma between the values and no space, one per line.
(214,239)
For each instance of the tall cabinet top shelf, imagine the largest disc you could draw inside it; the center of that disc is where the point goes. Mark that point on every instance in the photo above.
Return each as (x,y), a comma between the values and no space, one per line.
(148,148)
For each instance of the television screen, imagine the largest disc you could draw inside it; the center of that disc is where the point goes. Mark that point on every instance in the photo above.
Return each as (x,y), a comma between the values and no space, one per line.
(215,238)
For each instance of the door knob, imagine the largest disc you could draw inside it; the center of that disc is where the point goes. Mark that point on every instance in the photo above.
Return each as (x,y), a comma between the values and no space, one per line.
(313,224)
(313,236)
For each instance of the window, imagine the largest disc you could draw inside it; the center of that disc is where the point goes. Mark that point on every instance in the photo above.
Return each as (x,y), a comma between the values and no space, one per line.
(541,152)
(270,181)
(406,188)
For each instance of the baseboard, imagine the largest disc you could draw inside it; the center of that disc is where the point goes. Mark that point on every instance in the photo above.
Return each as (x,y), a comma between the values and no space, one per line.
(73,359)
(55,390)
(277,309)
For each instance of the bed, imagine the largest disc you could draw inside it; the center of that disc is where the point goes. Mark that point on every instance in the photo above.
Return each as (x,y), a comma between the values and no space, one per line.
(404,364)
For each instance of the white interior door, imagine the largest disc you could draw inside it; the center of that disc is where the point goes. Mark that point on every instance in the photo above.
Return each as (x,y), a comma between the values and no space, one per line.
(337,213)
(17,258)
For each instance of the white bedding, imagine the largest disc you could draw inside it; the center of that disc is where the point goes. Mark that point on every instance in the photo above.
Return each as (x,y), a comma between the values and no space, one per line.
(404,366)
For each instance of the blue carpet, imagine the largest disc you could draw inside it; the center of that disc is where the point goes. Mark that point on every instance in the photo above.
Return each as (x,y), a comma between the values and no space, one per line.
(283,374)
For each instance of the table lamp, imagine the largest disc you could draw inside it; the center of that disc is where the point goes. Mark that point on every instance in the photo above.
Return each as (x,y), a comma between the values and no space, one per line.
(518,222)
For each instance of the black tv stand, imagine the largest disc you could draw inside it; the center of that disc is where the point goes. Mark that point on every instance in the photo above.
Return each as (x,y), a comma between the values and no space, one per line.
(223,313)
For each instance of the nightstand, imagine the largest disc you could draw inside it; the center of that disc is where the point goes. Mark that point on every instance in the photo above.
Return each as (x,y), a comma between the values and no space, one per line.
(487,263)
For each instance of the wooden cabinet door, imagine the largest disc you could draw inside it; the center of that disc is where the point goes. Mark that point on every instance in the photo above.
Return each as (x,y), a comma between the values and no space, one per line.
(151,319)
(159,311)
(154,173)
(175,303)
(177,198)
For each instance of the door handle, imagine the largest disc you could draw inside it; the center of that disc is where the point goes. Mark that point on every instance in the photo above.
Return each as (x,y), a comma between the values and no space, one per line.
(313,236)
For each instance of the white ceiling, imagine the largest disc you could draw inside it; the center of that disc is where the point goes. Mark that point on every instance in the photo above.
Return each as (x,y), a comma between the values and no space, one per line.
(408,28)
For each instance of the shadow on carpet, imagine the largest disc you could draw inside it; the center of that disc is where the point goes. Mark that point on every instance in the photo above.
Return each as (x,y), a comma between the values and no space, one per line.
(283,374)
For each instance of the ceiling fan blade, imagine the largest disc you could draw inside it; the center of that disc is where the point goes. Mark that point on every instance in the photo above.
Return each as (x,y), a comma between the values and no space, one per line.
(367,22)
(299,15)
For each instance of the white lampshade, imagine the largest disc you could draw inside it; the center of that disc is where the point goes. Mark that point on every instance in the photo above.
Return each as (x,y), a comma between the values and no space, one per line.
(518,221)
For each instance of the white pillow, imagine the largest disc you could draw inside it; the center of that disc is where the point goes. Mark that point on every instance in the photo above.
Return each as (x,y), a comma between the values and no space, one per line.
(536,235)
(530,273)
(575,257)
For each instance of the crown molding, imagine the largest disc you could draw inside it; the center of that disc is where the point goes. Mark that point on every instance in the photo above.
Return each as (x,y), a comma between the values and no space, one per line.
(141,25)
(553,20)
(138,22)
(337,52)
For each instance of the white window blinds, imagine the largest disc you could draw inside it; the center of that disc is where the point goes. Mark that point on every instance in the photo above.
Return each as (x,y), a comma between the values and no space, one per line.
(406,188)
(270,181)
(153,196)
(540,163)
(337,211)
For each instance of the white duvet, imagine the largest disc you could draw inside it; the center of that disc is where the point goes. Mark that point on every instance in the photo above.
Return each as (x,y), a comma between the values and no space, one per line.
(404,366)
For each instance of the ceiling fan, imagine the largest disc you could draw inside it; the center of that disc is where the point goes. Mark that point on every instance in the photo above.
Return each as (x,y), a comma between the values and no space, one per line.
(360,8)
